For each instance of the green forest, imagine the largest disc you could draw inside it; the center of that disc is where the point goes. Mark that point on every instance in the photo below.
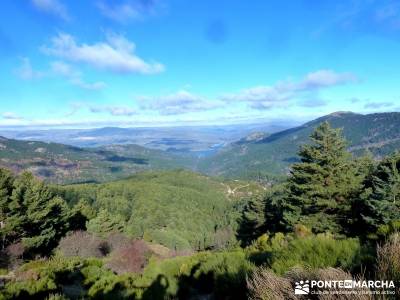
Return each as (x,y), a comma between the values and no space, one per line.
(182,235)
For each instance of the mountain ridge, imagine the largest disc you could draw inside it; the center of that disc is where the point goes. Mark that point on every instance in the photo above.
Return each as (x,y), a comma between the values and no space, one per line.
(257,154)
(378,133)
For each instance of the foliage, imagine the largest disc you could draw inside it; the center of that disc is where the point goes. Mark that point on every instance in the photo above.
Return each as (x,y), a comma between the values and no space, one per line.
(283,252)
(156,206)
(130,258)
(253,221)
(377,207)
(31,213)
(263,214)
(82,244)
(322,184)
(220,274)
(317,252)
(43,278)
(105,223)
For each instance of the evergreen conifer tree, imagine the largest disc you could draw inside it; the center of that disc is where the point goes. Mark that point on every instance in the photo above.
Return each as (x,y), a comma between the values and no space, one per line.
(321,185)
(379,201)
(105,223)
(35,215)
(252,223)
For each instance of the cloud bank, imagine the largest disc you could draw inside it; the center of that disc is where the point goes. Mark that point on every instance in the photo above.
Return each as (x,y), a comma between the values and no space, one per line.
(180,102)
(282,93)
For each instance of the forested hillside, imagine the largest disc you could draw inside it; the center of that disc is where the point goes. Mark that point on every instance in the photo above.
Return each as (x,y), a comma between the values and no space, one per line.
(59,163)
(182,235)
(156,206)
(253,158)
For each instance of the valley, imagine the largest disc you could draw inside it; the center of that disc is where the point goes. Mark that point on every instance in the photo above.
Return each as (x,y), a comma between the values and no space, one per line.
(256,155)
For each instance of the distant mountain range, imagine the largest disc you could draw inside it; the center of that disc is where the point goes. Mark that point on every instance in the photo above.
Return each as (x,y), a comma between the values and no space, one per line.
(206,149)
(197,139)
(256,155)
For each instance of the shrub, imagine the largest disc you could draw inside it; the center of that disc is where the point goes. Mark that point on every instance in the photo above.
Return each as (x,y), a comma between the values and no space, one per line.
(14,254)
(222,273)
(16,250)
(82,244)
(301,230)
(47,278)
(318,251)
(130,258)
(117,241)
(172,239)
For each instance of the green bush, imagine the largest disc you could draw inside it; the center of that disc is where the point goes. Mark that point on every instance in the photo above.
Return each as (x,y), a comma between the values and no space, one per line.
(42,278)
(316,251)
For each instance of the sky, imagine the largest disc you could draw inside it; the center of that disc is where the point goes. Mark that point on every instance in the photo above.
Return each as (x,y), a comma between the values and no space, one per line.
(100,63)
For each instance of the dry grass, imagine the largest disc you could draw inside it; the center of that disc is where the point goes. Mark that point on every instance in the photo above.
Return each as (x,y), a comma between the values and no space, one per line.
(264,285)
(388,259)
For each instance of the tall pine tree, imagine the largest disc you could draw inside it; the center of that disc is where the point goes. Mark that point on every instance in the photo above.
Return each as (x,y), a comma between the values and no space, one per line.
(321,185)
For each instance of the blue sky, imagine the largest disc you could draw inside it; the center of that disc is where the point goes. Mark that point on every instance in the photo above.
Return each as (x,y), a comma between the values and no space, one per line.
(172,62)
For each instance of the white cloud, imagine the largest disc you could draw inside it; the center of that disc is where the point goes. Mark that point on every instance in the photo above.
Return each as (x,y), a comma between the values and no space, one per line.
(128,10)
(74,76)
(378,105)
(113,110)
(325,78)
(63,69)
(26,71)
(98,85)
(282,94)
(54,7)
(11,116)
(119,13)
(178,103)
(116,54)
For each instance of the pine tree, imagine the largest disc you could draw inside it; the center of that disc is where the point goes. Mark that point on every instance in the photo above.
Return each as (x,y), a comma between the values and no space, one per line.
(6,183)
(252,223)
(379,202)
(36,216)
(105,223)
(320,186)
